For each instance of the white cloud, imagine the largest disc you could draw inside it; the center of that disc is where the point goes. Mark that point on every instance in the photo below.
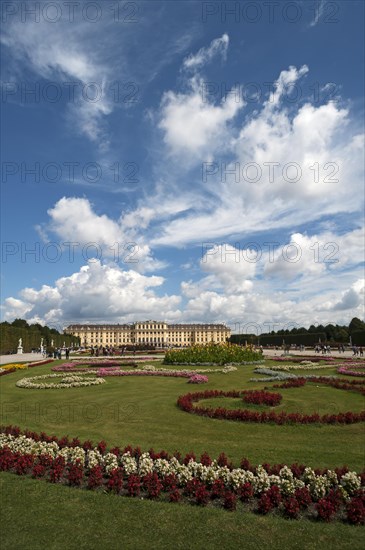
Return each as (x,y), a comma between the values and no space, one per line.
(73,220)
(351,298)
(96,292)
(312,256)
(61,53)
(291,165)
(219,46)
(224,263)
(318,12)
(193,126)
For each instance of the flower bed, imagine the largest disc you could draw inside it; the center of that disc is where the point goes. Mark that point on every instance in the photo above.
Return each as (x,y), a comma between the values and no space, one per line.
(198,379)
(186,403)
(217,354)
(301,358)
(71,381)
(291,490)
(38,363)
(303,365)
(13,367)
(262,397)
(346,368)
(70,368)
(277,375)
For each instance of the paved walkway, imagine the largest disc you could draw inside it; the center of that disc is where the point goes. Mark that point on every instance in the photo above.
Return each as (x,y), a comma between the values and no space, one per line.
(20,358)
(334,353)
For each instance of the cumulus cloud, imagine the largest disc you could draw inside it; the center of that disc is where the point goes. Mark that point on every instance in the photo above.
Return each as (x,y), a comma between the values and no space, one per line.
(231,268)
(352,298)
(73,220)
(193,126)
(313,255)
(95,293)
(282,166)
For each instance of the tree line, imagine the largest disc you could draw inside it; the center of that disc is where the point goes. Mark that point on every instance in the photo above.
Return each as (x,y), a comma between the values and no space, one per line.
(31,336)
(329,335)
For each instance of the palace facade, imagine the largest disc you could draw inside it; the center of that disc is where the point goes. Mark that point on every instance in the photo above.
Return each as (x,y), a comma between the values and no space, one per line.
(155,333)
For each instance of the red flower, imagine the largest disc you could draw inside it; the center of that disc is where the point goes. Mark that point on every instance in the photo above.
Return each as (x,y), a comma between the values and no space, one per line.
(291,507)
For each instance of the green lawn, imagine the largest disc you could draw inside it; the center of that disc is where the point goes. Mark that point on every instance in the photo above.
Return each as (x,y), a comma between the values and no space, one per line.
(39,515)
(142,411)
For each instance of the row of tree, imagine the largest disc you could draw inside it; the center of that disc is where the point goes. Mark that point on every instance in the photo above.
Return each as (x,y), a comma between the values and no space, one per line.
(31,336)
(330,334)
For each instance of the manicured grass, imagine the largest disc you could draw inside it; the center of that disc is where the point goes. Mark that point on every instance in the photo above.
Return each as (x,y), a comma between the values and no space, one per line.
(312,398)
(39,515)
(142,411)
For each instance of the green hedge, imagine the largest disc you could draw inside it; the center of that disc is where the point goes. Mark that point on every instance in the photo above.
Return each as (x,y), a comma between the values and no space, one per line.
(219,354)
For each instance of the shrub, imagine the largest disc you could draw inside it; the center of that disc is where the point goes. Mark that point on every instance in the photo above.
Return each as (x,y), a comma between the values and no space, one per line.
(211,353)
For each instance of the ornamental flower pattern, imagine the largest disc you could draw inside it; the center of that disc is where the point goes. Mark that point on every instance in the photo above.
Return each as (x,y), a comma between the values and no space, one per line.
(289,489)
(186,403)
(66,381)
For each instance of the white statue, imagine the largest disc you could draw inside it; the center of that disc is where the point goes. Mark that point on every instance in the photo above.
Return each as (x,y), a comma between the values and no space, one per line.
(20,346)
(51,343)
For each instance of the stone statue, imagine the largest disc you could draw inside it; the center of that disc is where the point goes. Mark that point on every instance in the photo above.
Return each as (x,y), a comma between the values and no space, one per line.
(20,346)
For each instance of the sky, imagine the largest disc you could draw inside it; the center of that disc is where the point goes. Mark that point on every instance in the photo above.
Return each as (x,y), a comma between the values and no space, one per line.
(183,161)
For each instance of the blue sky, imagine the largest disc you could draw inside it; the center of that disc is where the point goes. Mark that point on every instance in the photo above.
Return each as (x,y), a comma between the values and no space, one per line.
(176,161)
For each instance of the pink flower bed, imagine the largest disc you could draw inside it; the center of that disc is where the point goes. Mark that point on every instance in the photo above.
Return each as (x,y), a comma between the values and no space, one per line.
(346,369)
(300,358)
(198,379)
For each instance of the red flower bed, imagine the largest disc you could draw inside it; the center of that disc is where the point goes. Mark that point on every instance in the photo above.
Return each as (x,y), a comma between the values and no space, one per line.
(7,371)
(186,403)
(262,397)
(168,487)
(38,363)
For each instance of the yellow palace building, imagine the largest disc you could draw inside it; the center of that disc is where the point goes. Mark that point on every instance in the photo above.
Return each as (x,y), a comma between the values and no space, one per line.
(155,333)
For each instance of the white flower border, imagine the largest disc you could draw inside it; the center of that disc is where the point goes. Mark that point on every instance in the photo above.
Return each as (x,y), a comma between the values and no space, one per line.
(71,381)
(318,485)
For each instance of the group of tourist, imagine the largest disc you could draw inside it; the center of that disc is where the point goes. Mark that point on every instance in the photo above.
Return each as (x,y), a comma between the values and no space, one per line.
(323,349)
(57,353)
(106,351)
(358,351)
